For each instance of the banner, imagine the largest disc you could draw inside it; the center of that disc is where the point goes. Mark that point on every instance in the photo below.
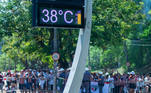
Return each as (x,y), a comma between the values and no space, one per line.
(94,87)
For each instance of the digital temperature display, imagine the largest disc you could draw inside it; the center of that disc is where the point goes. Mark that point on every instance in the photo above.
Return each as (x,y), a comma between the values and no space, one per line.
(58,13)
(49,15)
(60,17)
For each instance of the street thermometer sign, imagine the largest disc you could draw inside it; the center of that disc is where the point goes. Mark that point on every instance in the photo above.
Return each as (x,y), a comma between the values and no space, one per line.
(58,14)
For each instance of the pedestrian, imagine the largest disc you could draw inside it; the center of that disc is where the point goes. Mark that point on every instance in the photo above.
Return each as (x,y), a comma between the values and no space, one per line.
(140,84)
(132,82)
(1,81)
(46,76)
(101,82)
(86,81)
(61,79)
(8,80)
(34,79)
(51,81)
(147,82)
(116,88)
(122,84)
(29,80)
(42,82)
(13,81)
(106,83)
(111,85)
(21,81)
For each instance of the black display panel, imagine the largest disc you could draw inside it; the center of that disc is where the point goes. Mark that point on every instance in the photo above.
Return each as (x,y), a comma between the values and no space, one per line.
(48,15)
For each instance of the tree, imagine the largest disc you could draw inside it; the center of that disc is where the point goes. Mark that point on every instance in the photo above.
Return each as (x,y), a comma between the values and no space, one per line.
(25,44)
(113,20)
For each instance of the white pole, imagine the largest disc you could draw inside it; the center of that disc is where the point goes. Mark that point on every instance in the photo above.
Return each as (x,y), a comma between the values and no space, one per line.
(78,67)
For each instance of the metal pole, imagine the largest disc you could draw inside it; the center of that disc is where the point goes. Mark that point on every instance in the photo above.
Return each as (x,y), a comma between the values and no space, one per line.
(89,58)
(9,63)
(126,54)
(15,65)
(55,63)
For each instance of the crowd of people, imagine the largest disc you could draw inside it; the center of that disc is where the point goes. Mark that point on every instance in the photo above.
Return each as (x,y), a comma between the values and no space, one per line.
(99,82)
(27,80)
(116,83)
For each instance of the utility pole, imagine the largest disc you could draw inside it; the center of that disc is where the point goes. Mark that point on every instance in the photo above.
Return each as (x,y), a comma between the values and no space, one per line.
(55,63)
(126,54)
(15,65)
(89,58)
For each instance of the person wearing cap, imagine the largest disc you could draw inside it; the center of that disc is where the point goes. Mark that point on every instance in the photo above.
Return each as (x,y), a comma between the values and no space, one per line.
(61,79)
(86,82)
(101,82)
(132,82)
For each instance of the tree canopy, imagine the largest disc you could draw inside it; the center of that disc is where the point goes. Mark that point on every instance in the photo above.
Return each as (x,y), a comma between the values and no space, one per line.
(113,23)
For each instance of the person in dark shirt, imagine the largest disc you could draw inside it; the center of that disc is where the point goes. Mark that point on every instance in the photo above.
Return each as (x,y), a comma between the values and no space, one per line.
(100,82)
(35,79)
(86,82)
(1,81)
(29,80)
(132,82)
(61,79)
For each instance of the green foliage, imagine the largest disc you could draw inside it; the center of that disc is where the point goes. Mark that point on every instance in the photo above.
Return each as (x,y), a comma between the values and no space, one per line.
(113,22)
(95,54)
(21,42)
(6,62)
(20,67)
(30,46)
(49,60)
(111,58)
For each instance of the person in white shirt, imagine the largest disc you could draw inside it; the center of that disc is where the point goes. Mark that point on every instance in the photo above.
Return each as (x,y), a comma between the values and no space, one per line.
(5,79)
(111,85)
(146,81)
(140,84)
(106,83)
(50,83)
(42,82)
